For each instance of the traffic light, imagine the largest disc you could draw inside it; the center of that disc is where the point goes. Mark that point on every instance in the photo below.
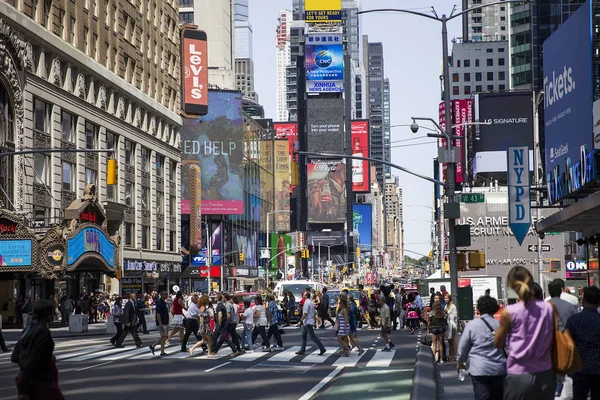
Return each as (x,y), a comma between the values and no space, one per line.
(476,260)
(461,261)
(111,172)
(241,256)
(118,274)
(305,253)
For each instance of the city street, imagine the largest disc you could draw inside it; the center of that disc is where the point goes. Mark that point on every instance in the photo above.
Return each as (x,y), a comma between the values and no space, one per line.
(91,362)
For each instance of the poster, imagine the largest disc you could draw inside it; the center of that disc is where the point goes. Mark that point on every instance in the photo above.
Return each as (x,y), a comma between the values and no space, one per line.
(282,185)
(326,191)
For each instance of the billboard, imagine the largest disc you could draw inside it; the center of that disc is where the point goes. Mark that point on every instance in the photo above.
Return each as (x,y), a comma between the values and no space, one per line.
(322,11)
(289,131)
(361,173)
(326,191)
(246,241)
(215,247)
(362,219)
(325,124)
(194,67)
(87,240)
(281,248)
(281,170)
(568,92)
(461,114)
(214,143)
(17,253)
(324,62)
(508,118)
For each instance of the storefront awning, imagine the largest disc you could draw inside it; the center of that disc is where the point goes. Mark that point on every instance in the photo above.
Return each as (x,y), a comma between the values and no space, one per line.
(583,216)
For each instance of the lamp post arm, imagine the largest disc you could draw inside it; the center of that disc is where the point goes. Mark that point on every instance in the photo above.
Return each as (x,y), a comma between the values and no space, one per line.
(458,14)
(430,120)
(420,14)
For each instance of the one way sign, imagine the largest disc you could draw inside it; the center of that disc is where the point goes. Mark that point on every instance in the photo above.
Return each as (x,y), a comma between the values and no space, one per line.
(534,248)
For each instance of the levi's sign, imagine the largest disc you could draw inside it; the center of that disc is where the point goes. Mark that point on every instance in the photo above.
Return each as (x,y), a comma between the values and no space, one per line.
(195,72)
(519,204)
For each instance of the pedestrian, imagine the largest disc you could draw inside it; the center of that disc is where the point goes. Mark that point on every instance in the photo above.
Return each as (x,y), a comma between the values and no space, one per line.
(192,323)
(248,323)
(291,305)
(412,314)
(66,309)
(325,309)
(307,321)
(343,326)
(487,364)
(397,309)
(274,319)
(38,376)
(565,295)
(260,324)
(205,329)
(452,325)
(27,311)
(220,333)
(234,319)
(585,331)
(372,308)
(353,316)
(384,314)
(162,323)
(141,314)
(438,298)
(432,295)
(316,298)
(284,308)
(2,343)
(527,328)
(363,303)
(93,308)
(129,319)
(117,312)
(436,328)
(177,311)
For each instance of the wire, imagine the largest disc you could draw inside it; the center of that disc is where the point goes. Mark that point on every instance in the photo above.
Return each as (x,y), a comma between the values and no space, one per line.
(410,145)
(408,140)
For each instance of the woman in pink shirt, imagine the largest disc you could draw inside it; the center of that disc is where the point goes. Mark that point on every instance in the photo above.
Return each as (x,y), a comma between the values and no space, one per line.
(529,327)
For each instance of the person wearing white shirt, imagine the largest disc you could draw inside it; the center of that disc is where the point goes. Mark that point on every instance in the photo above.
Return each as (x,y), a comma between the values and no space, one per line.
(192,324)
(566,296)
(308,320)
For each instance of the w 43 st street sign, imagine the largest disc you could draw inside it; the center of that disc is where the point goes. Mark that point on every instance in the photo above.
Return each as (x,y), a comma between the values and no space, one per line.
(534,248)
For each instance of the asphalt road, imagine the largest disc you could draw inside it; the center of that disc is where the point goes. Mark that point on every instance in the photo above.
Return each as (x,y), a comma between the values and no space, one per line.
(90,368)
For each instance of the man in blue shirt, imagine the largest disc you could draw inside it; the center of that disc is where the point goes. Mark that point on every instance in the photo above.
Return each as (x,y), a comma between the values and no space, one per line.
(162,322)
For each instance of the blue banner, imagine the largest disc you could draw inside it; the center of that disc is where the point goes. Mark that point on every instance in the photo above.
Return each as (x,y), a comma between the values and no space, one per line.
(362,224)
(15,253)
(519,202)
(568,91)
(90,240)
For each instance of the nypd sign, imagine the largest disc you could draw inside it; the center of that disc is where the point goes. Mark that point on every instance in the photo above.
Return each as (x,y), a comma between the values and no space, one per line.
(519,204)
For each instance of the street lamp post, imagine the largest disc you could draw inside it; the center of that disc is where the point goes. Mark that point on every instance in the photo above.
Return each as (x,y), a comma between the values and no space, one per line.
(269,238)
(447,133)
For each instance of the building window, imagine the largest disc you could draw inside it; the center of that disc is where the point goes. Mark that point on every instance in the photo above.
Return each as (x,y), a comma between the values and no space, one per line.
(41,215)
(186,17)
(68,176)
(501,50)
(490,62)
(106,12)
(145,159)
(41,163)
(467,63)
(467,77)
(478,88)
(501,76)
(490,76)
(91,177)
(172,205)
(41,116)
(86,33)
(502,8)
(129,193)
(501,87)
(490,88)
(160,199)
(107,55)
(458,63)
(129,235)
(172,170)
(467,89)
(61,24)
(129,153)
(145,237)
(477,62)
(455,77)
(72,29)
(68,125)
(160,233)
(160,166)
(489,50)
(172,240)
(145,198)
(91,135)
(455,90)
(477,76)
(115,17)
(47,11)
(95,46)
(501,61)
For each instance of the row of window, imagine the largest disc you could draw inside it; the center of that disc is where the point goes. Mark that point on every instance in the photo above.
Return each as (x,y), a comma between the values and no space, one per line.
(478,76)
(478,88)
(489,61)
(159,234)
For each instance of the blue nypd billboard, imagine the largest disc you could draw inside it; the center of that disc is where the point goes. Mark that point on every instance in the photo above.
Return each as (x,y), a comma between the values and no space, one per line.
(568,99)
(324,63)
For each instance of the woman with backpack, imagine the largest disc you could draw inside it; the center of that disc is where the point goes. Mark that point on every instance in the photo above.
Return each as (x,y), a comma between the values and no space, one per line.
(436,328)
(117,312)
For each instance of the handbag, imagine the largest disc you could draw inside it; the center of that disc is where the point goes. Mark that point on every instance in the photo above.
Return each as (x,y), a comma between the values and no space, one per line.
(565,357)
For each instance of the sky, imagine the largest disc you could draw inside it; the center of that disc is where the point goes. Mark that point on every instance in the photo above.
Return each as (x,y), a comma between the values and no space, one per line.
(412,48)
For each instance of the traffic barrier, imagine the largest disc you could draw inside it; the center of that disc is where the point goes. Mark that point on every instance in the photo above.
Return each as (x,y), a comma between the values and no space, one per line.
(424,385)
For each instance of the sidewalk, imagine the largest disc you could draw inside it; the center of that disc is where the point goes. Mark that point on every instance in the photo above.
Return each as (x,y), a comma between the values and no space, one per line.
(96,329)
(448,385)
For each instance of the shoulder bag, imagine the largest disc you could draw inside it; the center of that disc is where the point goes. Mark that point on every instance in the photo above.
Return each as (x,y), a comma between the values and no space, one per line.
(493,334)
(565,357)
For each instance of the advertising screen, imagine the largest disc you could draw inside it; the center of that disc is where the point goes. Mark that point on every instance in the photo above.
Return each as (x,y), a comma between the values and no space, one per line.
(195,72)
(325,124)
(246,241)
(289,131)
(362,218)
(90,240)
(508,119)
(568,90)
(324,59)
(15,253)
(326,191)
(361,179)
(215,247)
(214,143)
(462,114)
(282,185)
(322,11)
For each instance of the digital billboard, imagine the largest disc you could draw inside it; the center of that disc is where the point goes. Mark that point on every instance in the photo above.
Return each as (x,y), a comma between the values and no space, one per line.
(16,253)
(322,11)
(215,247)
(326,191)
(214,143)
(289,131)
(90,240)
(361,173)
(194,65)
(506,119)
(462,114)
(281,247)
(324,62)
(282,185)
(362,224)
(325,124)
(246,241)
(568,91)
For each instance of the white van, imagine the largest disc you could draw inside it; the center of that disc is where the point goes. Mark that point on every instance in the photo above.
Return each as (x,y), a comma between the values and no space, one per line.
(296,287)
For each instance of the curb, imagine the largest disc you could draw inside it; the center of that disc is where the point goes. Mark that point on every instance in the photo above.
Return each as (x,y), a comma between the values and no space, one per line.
(424,385)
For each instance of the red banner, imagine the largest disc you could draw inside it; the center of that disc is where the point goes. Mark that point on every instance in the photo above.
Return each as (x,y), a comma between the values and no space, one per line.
(215,271)
(361,179)
(289,131)
(461,115)
(195,72)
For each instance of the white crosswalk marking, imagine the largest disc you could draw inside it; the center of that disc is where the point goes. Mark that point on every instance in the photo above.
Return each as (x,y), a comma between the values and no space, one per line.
(125,354)
(381,359)
(286,355)
(62,356)
(249,357)
(101,353)
(315,358)
(349,361)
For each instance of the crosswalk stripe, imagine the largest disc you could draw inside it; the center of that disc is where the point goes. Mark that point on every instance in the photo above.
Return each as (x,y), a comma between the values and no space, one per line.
(63,356)
(286,355)
(249,357)
(381,359)
(100,354)
(349,361)
(126,354)
(315,358)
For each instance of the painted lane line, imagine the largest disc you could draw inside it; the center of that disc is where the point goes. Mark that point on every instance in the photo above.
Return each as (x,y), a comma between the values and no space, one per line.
(308,395)
(217,367)
(249,357)
(315,358)
(62,356)
(381,359)
(101,353)
(349,361)
(286,355)
(92,366)
(125,354)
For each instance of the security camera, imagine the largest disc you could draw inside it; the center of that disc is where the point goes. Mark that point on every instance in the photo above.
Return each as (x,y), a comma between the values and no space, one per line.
(542,235)
(414,127)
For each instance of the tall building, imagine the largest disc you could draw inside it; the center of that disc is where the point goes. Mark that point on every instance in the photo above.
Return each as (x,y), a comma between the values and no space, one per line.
(216,18)
(244,62)
(282,49)
(375,108)
(394,220)
(485,23)
(387,151)
(478,67)
(89,76)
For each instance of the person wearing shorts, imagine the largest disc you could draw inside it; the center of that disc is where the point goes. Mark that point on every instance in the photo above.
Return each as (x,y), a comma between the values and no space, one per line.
(384,315)
(162,322)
